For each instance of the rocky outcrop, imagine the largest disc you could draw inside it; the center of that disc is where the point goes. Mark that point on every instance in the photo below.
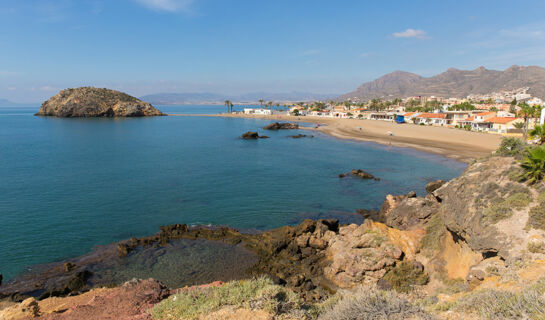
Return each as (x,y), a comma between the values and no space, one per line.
(359,174)
(281,126)
(407,212)
(364,254)
(131,300)
(95,102)
(488,209)
(434,185)
(252,136)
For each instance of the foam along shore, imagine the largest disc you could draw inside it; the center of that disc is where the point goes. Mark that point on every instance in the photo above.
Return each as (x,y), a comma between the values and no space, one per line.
(450,142)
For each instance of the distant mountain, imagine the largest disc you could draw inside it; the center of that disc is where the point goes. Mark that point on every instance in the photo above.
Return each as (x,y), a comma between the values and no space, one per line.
(5,102)
(452,83)
(213,98)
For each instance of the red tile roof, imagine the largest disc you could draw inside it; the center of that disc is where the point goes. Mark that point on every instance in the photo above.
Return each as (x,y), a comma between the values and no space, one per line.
(432,115)
(501,120)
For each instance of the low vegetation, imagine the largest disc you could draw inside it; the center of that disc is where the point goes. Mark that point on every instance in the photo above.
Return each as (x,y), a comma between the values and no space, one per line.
(435,233)
(536,247)
(405,275)
(371,303)
(528,303)
(259,293)
(536,217)
(511,147)
(504,209)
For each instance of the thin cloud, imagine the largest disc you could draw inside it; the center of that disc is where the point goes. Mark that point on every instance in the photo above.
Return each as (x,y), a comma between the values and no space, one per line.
(167,5)
(365,54)
(311,52)
(411,33)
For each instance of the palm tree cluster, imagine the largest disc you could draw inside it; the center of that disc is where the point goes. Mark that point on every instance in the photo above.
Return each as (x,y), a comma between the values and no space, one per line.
(229,105)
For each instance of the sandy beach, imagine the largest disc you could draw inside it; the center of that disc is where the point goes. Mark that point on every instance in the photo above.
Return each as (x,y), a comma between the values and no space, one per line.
(450,142)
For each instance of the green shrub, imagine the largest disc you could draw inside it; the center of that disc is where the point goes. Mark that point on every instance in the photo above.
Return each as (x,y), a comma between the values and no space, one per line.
(371,303)
(518,200)
(511,147)
(504,209)
(536,217)
(405,275)
(257,293)
(497,212)
(528,303)
(535,247)
(541,197)
(435,233)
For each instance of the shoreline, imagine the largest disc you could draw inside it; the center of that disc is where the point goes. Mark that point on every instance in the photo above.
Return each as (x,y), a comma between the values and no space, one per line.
(453,143)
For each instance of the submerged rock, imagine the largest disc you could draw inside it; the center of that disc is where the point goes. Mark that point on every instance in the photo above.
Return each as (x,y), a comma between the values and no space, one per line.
(298,136)
(252,136)
(95,102)
(281,125)
(362,174)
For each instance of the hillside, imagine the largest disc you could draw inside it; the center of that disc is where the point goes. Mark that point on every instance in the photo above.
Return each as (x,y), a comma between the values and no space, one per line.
(452,83)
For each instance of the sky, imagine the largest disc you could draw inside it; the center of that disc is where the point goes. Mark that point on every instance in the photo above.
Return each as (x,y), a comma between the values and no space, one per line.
(240,46)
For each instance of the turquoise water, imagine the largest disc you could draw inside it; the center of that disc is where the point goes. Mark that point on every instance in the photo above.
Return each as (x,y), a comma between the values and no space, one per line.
(69,184)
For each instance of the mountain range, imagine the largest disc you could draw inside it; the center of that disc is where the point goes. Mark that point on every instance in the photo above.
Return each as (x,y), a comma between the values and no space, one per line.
(249,98)
(451,83)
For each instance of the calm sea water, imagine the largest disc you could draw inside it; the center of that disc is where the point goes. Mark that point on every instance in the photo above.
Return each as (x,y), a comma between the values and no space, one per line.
(67,185)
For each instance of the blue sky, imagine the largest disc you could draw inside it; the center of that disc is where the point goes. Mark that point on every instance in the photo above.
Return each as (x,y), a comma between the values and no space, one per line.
(239,46)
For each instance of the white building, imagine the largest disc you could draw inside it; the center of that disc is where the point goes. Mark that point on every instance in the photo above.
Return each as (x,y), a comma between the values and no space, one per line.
(265,112)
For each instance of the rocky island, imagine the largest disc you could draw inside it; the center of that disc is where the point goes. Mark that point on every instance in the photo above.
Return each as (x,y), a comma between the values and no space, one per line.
(96,102)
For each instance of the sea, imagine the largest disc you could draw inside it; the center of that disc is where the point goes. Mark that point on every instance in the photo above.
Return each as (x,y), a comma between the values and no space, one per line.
(69,185)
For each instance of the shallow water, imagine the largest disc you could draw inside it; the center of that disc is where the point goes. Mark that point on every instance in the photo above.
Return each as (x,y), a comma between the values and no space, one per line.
(67,185)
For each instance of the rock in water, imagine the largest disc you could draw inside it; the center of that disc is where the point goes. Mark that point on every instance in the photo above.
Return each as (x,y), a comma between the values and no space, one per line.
(95,102)
(279,126)
(252,135)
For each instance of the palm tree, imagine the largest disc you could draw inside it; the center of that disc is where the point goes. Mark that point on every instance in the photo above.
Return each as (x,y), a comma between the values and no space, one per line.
(534,165)
(231,106)
(227,104)
(526,112)
(261,102)
(538,132)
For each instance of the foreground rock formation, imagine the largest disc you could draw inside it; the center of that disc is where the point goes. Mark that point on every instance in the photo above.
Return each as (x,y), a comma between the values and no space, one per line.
(473,247)
(95,102)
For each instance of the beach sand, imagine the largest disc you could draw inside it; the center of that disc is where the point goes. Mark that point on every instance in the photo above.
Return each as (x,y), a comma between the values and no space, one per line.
(454,143)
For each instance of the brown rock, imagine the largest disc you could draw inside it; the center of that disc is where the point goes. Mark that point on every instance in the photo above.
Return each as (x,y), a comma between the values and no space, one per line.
(434,185)
(95,102)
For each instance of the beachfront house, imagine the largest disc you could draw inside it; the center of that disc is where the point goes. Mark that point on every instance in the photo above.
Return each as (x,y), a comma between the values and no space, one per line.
(434,119)
(383,116)
(264,112)
(320,113)
(455,118)
(503,124)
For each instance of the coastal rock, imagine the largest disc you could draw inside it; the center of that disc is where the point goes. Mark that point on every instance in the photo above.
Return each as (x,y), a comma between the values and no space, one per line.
(434,185)
(362,174)
(364,254)
(95,102)
(298,136)
(131,300)
(252,136)
(404,212)
(281,125)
